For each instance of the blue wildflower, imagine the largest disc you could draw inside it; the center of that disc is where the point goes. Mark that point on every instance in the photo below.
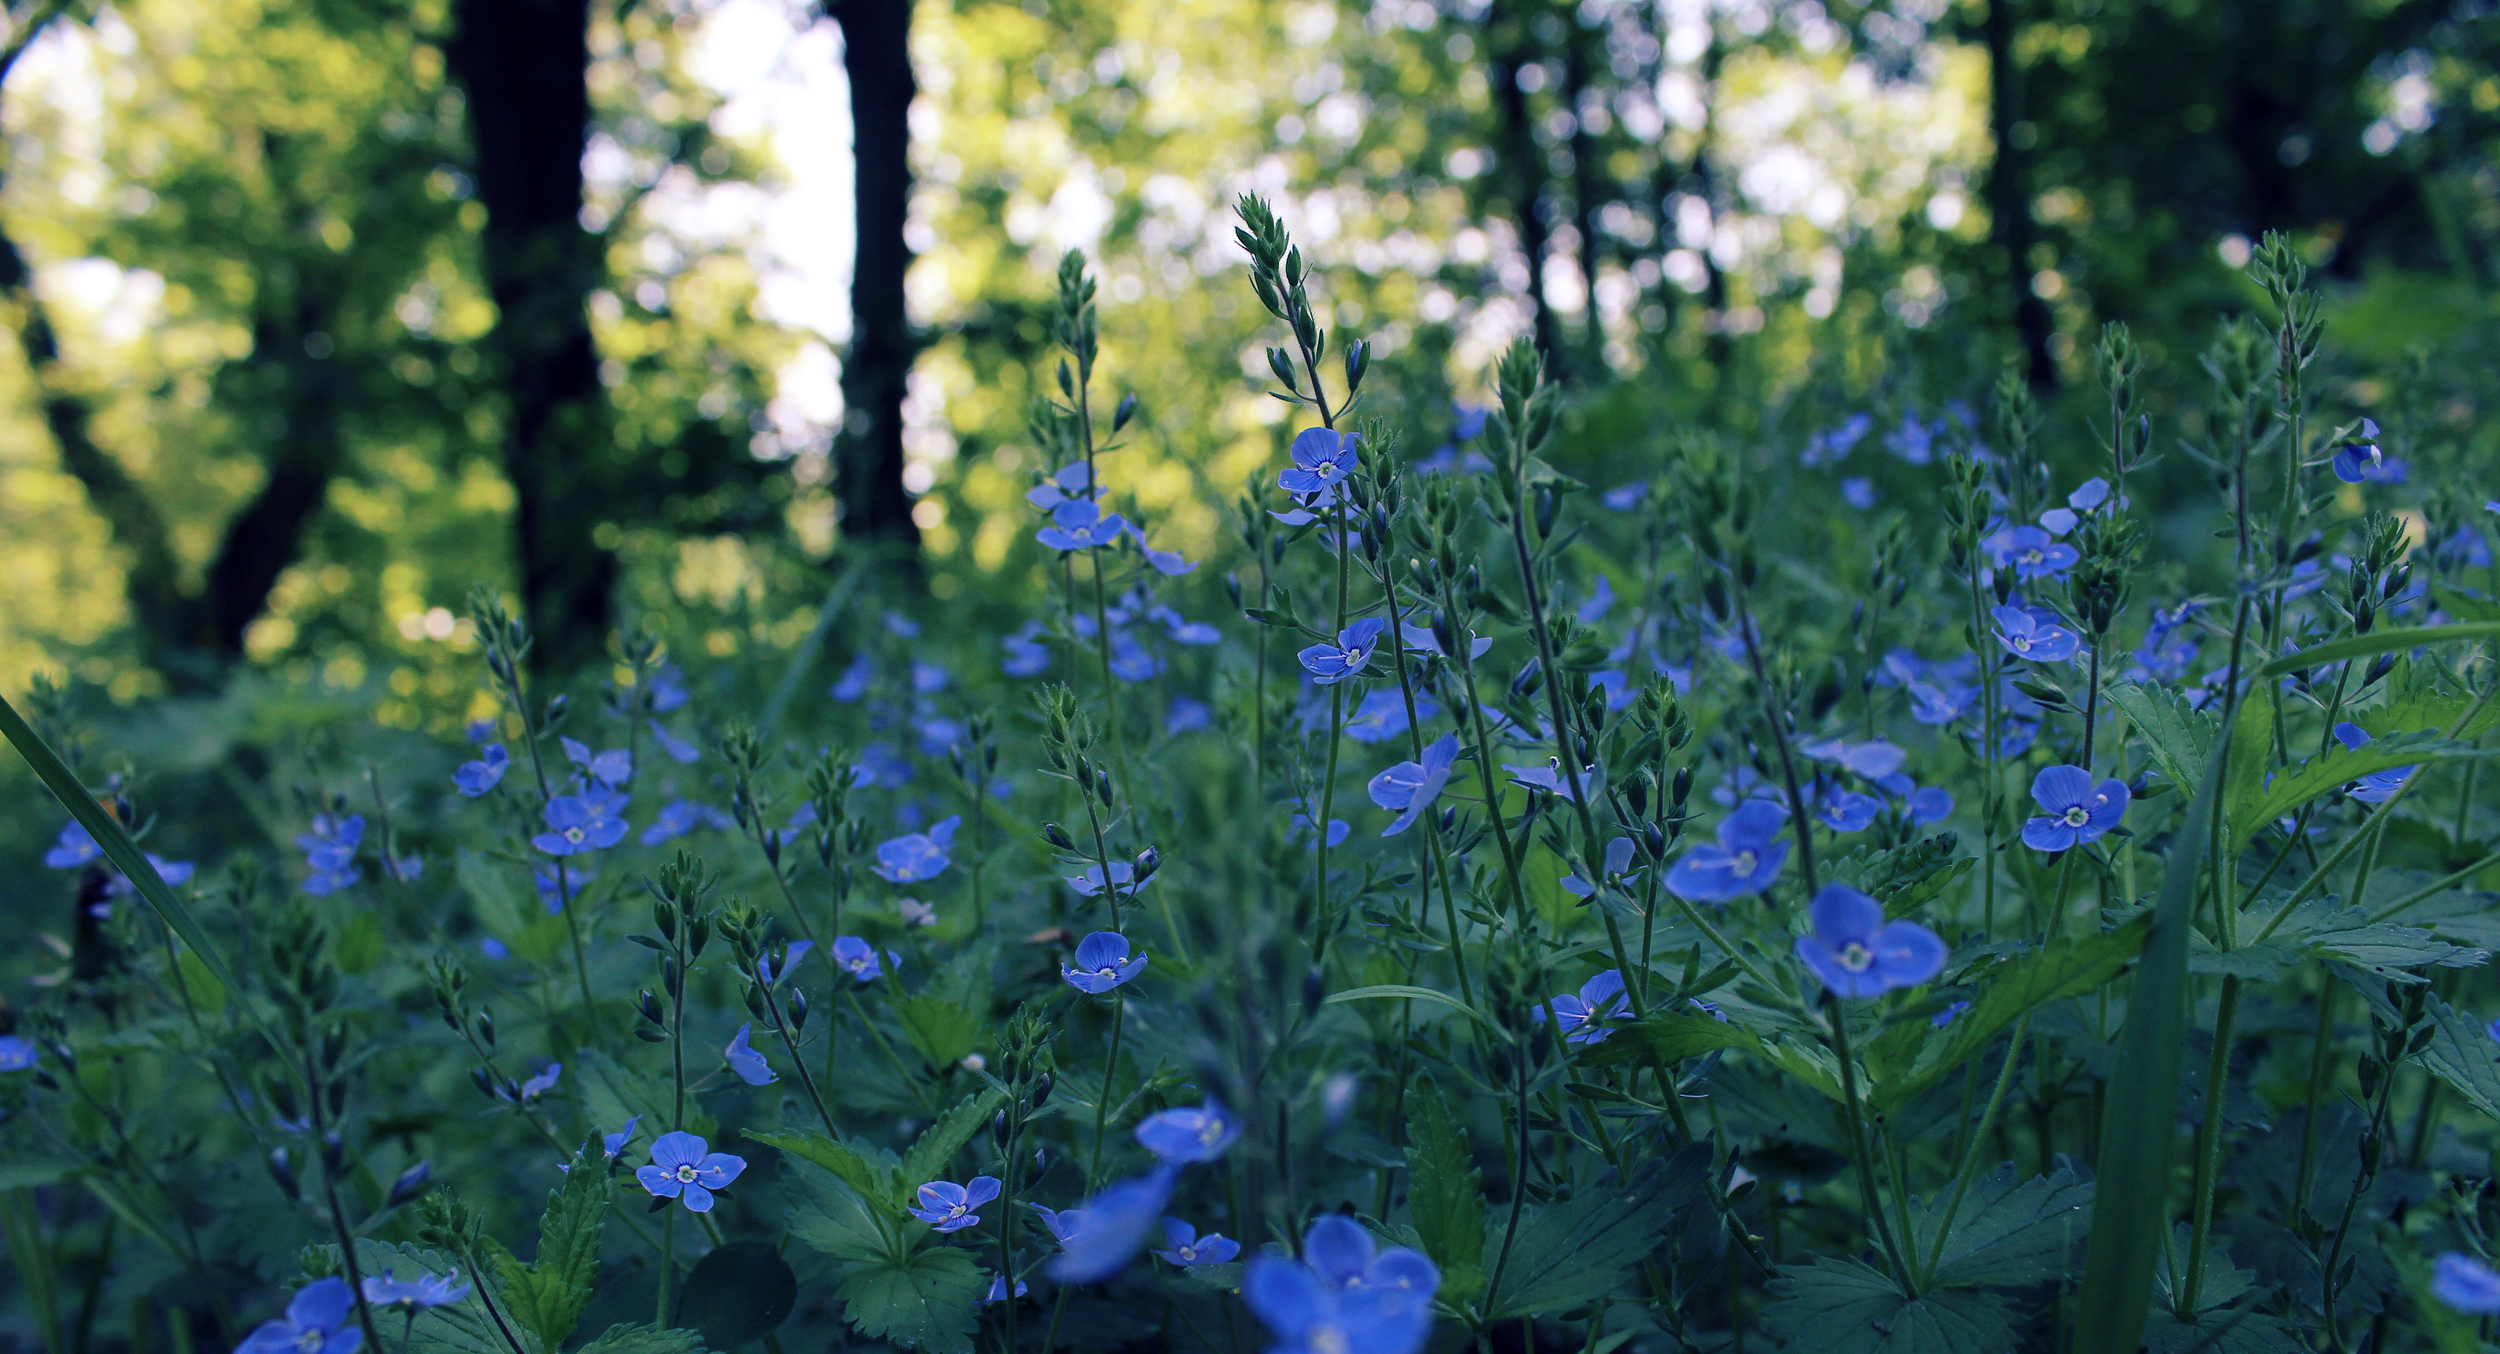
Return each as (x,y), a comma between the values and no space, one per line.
(477,777)
(1873,760)
(746,1062)
(1419,638)
(1618,860)
(425,1290)
(668,689)
(1166,562)
(583,822)
(1109,1229)
(1549,778)
(330,854)
(1073,482)
(1833,444)
(319,1320)
(614,1143)
(1184,1247)
(1601,600)
(2034,633)
(2031,552)
(947,1206)
(901,626)
(861,960)
(1198,1134)
(479,730)
(1856,953)
(540,1084)
(677,749)
(1322,460)
(684,1168)
(681,816)
(1124,880)
(1930,804)
(1625,497)
(1583,1017)
(1858,492)
(559,881)
(2360,462)
(611,768)
(772,973)
(1330,664)
(1102,963)
(855,680)
(2466,1284)
(73,848)
(1079,525)
(1847,811)
(17,1053)
(1026,654)
(1341,1296)
(917,856)
(998,1290)
(1381,716)
(2377,787)
(2077,810)
(1745,859)
(1188,716)
(1338,829)
(1949,1014)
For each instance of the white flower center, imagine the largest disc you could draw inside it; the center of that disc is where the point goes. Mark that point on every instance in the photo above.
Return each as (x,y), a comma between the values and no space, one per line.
(1856,957)
(1743,862)
(311,1340)
(2077,817)
(572,834)
(685,1174)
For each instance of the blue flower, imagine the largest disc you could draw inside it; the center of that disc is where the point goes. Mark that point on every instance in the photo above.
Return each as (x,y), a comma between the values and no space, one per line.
(1026,654)
(1625,497)
(1583,1018)
(771,973)
(1419,638)
(72,848)
(746,1062)
(1341,1296)
(1833,444)
(330,853)
(681,816)
(1124,880)
(1330,664)
(1166,562)
(998,1289)
(2360,462)
(1856,953)
(425,1290)
(1930,804)
(917,856)
(1079,525)
(479,730)
(2466,1284)
(542,1083)
(682,1167)
(861,960)
(1184,1247)
(17,1053)
(318,1320)
(2379,786)
(1601,600)
(1323,459)
(1073,482)
(1746,858)
(2033,633)
(1102,1234)
(584,822)
(855,680)
(1618,860)
(947,1206)
(1132,661)
(2031,552)
(678,749)
(1102,963)
(1381,716)
(2077,810)
(611,768)
(1848,811)
(1873,760)
(668,689)
(1199,1134)
(1188,716)
(1338,829)
(559,881)
(1858,492)
(477,777)
(614,1143)
(1549,778)
(1949,1014)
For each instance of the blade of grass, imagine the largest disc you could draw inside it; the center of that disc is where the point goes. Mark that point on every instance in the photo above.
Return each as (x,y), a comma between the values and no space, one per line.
(120,848)
(2376,642)
(2130,1203)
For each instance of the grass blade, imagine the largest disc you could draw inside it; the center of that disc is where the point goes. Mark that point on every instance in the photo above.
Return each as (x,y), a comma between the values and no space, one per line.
(2374,643)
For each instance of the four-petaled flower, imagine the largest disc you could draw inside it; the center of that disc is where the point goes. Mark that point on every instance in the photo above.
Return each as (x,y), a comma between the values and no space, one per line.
(1330,664)
(682,1167)
(2361,462)
(2466,1284)
(1199,1134)
(2379,786)
(425,1290)
(1746,858)
(1411,787)
(1079,525)
(916,856)
(611,768)
(1184,1247)
(583,822)
(947,1206)
(17,1053)
(1856,953)
(330,853)
(477,777)
(1550,779)
(1070,483)
(1341,1296)
(862,960)
(1618,861)
(1583,1017)
(73,848)
(2076,810)
(746,1062)
(1102,963)
(1124,880)
(1847,811)
(318,1320)
(998,1289)
(1098,1237)
(2031,552)
(1323,459)
(2033,633)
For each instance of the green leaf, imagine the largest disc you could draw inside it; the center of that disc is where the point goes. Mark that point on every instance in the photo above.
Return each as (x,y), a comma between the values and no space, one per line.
(612,1093)
(1571,1254)
(739,1293)
(547,1295)
(2375,643)
(1389,991)
(1444,1193)
(940,1141)
(1843,1307)
(460,1328)
(942,1031)
(873,1183)
(2338,767)
(2139,1121)
(1670,1037)
(924,1301)
(2461,1054)
(27,1172)
(2010,1230)
(1910,1056)
(2466,607)
(626,1338)
(2227,1319)
(2180,737)
(1906,877)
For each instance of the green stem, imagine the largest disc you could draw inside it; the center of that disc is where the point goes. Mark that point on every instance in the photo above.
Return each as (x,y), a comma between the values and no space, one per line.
(1102,1103)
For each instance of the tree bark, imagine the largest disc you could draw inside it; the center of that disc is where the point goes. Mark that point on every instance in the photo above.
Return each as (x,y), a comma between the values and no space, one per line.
(868,448)
(523,65)
(1509,40)
(2009,195)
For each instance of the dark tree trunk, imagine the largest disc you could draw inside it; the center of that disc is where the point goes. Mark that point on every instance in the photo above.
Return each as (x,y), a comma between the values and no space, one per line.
(523,64)
(868,448)
(268,535)
(2009,195)
(1509,40)
(1587,186)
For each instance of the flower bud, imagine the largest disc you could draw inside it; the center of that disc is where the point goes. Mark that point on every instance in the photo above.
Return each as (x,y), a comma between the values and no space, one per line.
(410,1184)
(284,1173)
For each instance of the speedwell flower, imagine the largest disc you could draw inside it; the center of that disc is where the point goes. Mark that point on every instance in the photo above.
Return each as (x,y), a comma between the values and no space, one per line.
(947,1206)
(683,1168)
(1102,963)
(1411,787)
(1199,1134)
(1746,858)
(1330,664)
(1856,953)
(2077,811)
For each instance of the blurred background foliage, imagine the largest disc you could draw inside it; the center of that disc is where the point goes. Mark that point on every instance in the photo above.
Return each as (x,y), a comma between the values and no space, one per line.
(320,311)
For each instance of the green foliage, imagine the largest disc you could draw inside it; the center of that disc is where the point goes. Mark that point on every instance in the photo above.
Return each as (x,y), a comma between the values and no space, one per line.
(2460,1054)
(1570,1254)
(1911,1055)
(942,1031)
(644,1339)
(896,1282)
(1843,1307)
(2009,1232)
(547,1295)
(937,1144)
(1444,1192)
(741,1292)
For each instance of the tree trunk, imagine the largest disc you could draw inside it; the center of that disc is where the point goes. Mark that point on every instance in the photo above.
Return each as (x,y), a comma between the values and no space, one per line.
(868,448)
(1509,40)
(2009,195)
(523,64)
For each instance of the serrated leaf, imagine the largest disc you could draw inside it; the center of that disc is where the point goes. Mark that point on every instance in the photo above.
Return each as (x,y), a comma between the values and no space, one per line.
(1843,1307)
(1908,1057)
(834,1216)
(2180,737)
(741,1292)
(2463,1055)
(2009,1230)
(2228,1319)
(547,1295)
(459,1328)
(628,1338)
(940,1030)
(1571,1254)
(1904,877)
(939,1142)
(926,1301)
(1444,1194)
(873,1179)
(612,1093)
(2336,768)
(1669,1037)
